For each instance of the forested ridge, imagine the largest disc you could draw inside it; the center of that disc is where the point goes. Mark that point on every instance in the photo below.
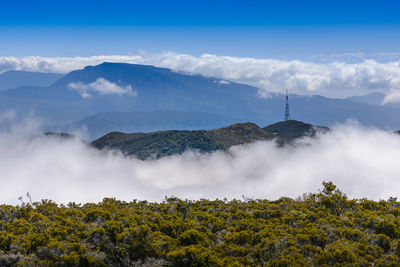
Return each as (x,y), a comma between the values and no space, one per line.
(318,229)
(166,143)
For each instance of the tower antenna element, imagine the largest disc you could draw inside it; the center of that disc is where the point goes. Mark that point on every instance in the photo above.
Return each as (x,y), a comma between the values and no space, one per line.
(287,113)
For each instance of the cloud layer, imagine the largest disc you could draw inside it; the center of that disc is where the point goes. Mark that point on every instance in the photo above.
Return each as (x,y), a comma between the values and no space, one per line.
(362,162)
(336,78)
(101,86)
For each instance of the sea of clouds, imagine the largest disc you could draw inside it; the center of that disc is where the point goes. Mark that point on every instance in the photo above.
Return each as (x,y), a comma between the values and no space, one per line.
(363,162)
(331,78)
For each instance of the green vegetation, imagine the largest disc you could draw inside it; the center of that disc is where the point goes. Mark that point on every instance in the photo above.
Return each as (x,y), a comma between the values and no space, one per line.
(320,229)
(164,143)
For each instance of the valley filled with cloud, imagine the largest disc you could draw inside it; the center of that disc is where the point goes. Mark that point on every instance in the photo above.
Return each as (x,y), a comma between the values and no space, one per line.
(363,162)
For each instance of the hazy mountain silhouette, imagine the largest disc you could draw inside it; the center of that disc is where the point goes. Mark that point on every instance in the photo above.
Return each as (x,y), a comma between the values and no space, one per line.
(375,98)
(14,79)
(162,89)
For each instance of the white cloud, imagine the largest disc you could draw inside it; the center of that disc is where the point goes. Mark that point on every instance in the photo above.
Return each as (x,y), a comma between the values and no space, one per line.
(392,97)
(336,78)
(362,162)
(394,94)
(101,86)
(222,82)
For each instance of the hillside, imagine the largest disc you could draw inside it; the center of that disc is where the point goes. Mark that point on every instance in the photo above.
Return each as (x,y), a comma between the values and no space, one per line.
(287,131)
(164,143)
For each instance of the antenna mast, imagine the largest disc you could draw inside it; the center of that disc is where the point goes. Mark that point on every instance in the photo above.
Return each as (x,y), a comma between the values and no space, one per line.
(287,113)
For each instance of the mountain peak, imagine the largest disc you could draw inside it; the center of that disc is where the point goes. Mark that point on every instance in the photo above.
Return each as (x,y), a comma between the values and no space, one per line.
(129,66)
(289,130)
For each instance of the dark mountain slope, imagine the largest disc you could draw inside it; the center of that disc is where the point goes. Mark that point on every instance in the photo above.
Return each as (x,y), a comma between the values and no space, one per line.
(287,131)
(14,79)
(158,144)
(164,143)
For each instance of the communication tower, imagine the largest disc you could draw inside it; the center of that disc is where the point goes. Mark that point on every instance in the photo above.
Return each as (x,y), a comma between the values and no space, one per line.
(287,113)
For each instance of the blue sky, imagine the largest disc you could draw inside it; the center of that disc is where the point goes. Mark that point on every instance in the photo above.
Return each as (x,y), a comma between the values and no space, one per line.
(261,29)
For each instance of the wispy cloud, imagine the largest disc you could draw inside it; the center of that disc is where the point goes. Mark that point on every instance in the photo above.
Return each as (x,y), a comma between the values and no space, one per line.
(101,86)
(270,75)
(222,82)
(392,97)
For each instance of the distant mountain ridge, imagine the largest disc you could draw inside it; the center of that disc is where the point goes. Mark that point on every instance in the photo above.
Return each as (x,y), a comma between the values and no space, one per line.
(375,98)
(163,89)
(157,89)
(166,143)
(13,79)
